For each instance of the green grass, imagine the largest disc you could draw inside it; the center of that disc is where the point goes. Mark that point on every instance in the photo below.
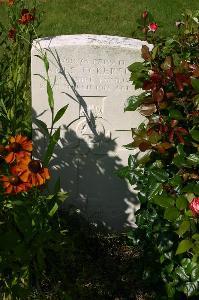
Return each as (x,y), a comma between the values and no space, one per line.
(113,17)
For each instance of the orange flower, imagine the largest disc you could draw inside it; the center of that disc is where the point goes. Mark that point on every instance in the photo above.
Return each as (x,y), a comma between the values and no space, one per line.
(19,147)
(31,171)
(26,17)
(10,2)
(13,184)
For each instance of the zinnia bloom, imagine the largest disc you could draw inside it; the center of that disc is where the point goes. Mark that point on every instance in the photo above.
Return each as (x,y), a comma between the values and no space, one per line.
(153,27)
(31,171)
(13,185)
(194,206)
(26,17)
(19,147)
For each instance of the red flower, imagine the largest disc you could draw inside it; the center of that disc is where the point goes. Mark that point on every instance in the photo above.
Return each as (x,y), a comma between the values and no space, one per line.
(194,206)
(153,27)
(19,147)
(13,184)
(12,33)
(26,17)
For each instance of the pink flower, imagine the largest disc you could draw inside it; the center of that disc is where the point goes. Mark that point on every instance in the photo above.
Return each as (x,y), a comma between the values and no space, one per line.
(153,27)
(194,206)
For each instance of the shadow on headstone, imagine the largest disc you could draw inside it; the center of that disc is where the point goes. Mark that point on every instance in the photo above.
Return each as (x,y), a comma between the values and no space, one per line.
(86,161)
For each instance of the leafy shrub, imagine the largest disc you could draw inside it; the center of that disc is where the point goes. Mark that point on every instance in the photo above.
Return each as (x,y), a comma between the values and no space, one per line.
(165,169)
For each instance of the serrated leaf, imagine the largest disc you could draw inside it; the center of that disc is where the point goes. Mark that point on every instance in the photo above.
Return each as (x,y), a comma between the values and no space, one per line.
(60,113)
(171,214)
(184,246)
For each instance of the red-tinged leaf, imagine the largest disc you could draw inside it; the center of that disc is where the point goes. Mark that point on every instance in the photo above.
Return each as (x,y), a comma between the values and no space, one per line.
(158,95)
(147,85)
(180,138)
(145,53)
(182,130)
(171,136)
(181,81)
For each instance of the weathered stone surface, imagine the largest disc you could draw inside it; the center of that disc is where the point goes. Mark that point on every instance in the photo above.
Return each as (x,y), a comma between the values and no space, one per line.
(90,74)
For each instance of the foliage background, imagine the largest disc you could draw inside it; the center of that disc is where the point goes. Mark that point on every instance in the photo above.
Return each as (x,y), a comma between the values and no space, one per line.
(113,17)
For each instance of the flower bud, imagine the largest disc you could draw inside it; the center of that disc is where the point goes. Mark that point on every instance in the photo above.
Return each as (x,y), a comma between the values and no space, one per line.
(145,14)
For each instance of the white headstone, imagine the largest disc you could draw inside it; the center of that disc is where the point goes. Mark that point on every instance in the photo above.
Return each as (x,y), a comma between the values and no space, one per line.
(90,74)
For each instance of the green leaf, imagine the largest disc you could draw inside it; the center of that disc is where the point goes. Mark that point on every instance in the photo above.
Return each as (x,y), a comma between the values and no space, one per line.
(195,83)
(184,246)
(180,271)
(134,102)
(195,134)
(175,114)
(60,113)
(191,188)
(184,227)
(195,274)
(181,202)
(171,214)
(46,63)
(53,141)
(163,201)
(175,180)
(193,159)
(135,67)
(53,210)
(57,186)
(155,189)
(191,288)
(196,101)
(42,126)
(159,174)
(195,236)
(50,95)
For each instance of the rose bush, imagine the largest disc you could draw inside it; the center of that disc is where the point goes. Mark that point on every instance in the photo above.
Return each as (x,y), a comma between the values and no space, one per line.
(165,169)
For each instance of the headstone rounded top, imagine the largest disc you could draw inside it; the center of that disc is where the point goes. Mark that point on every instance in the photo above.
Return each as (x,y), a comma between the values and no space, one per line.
(90,39)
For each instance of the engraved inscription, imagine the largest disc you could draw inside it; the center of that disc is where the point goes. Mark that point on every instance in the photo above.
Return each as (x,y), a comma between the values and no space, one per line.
(96,74)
